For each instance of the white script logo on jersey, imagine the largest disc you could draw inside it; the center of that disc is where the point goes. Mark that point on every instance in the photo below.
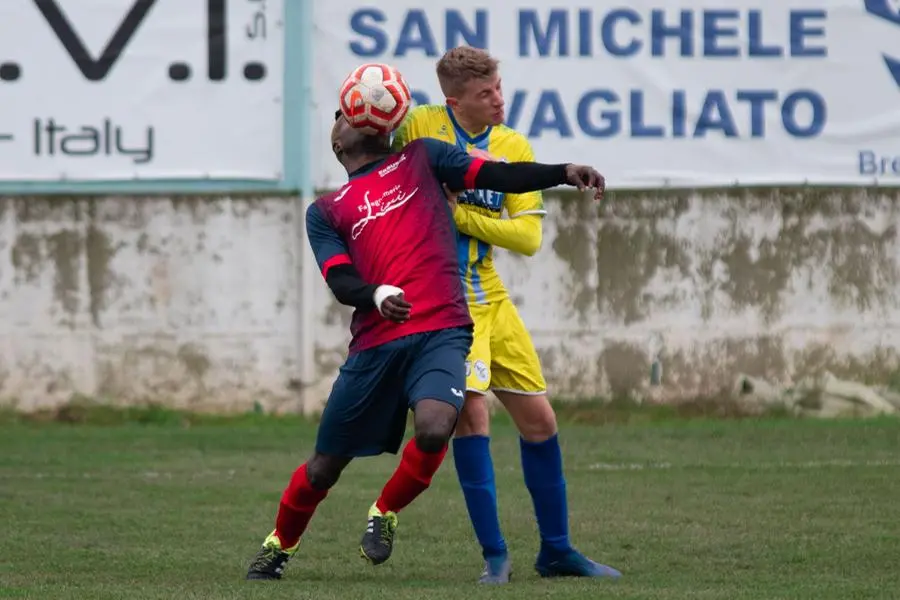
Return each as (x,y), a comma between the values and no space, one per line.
(392,199)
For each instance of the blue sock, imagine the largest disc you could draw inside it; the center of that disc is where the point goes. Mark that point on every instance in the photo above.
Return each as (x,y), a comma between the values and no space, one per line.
(543,468)
(475,469)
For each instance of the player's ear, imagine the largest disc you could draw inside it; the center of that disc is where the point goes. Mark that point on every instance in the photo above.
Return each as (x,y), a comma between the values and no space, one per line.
(452,102)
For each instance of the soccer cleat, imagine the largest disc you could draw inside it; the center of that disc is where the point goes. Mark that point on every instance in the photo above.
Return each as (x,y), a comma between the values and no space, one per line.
(571,564)
(378,540)
(271,558)
(497,569)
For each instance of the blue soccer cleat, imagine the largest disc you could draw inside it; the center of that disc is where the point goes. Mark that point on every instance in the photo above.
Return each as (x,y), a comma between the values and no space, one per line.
(571,564)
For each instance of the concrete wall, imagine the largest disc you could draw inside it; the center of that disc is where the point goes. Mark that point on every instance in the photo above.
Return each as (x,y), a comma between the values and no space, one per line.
(187,301)
(195,302)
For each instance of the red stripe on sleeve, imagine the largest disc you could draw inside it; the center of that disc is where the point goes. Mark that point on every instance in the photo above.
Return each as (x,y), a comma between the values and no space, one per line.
(472,172)
(334,261)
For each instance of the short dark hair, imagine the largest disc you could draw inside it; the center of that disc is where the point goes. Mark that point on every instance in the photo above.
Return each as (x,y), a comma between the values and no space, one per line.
(337,114)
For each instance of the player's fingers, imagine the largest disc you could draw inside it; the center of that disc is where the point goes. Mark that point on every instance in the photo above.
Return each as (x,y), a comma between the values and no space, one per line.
(400,313)
(395,315)
(601,187)
(588,178)
(397,309)
(400,302)
(577,179)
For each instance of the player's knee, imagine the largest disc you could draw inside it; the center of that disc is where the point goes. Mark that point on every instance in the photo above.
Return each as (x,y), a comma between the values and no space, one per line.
(432,441)
(533,415)
(435,422)
(324,471)
(541,428)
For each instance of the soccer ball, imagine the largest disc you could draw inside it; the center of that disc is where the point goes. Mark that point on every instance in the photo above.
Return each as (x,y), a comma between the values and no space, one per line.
(375,99)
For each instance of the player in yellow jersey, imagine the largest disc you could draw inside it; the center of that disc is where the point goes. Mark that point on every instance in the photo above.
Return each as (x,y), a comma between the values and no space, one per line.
(503,358)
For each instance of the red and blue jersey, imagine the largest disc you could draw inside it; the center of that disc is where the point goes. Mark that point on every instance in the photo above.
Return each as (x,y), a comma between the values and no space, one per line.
(391,220)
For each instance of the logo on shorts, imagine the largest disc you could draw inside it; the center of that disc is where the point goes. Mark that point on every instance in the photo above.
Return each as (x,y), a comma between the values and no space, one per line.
(456,392)
(482,373)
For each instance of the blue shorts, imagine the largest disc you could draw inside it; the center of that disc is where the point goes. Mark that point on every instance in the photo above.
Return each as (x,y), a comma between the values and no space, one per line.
(367,409)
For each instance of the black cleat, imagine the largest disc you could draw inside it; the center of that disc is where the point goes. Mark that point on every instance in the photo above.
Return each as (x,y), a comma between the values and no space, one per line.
(378,541)
(270,560)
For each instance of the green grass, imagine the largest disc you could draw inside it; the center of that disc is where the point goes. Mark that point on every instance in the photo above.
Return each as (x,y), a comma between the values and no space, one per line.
(152,504)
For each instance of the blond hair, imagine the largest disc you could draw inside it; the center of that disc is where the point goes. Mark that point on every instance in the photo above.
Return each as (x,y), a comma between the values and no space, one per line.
(460,65)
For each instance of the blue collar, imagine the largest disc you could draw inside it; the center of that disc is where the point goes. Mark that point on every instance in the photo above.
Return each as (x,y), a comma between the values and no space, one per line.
(462,133)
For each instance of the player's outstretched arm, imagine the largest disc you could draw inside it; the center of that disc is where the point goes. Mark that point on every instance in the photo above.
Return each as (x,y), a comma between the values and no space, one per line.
(463,172)
(342,277)
(521,177)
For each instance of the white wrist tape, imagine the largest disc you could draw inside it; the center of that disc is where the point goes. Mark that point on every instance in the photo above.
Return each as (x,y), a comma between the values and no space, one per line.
(382,292)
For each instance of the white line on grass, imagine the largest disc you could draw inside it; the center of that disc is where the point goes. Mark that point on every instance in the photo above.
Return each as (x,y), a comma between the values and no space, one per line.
(809,464)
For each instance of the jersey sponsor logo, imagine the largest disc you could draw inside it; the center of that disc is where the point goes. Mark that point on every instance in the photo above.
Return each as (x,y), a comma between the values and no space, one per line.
(483,198)
(387,170)
(390,200)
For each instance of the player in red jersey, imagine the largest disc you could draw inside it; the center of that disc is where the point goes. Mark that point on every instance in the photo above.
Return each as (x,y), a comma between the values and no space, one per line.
(386,245)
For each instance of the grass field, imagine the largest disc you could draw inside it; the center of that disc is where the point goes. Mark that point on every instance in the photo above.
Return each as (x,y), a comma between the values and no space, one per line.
(700,508)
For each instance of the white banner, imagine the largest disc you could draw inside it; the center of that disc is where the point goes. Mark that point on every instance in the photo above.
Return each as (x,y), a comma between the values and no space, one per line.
(696,93)
(141,89)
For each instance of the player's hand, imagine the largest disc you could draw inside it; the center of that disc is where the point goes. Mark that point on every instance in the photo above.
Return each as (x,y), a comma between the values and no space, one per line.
(390,303)
(584,177)
(452,198)
(396,309)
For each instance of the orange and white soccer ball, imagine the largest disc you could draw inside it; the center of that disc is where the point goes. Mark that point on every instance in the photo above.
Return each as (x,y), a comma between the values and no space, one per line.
(375,98)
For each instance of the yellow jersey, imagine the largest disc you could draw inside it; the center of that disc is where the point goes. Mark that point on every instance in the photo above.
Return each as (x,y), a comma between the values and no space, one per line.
(479,214)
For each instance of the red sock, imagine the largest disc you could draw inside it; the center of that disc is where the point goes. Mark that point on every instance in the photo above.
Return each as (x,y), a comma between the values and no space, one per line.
(412,477)
(298,503)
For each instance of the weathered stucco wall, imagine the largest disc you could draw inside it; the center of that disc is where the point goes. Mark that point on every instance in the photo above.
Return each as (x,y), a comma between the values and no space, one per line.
(195,301)
(188,301)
